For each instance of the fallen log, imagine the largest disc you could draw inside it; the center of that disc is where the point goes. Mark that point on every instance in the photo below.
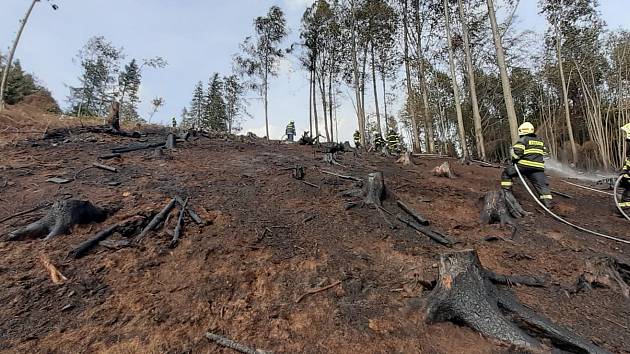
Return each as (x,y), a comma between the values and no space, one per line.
(109,156)
(228,343)
(465,294)
(432,234)
(315,291)
(156,220)
(126,228)
(105,167)
(417,217)
(60,218)
(180,224)
(86,246)
(352,178)
(121,150)
(193,215)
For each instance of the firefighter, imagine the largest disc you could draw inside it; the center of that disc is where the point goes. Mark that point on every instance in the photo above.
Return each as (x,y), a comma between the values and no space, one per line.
(624,203)
(528,154)
(379,142)
(290,131)
(357,139)
(393,141)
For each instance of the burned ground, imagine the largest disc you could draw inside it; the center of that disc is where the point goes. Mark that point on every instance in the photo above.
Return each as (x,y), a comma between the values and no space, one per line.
(270,240)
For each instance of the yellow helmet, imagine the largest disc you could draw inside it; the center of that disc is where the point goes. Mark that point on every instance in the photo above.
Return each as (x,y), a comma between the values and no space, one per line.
(526,128)
(626,128)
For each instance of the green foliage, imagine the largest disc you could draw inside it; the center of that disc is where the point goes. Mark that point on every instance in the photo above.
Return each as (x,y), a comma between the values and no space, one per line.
(129,84)
(99,60)
(215,113)
(19,84)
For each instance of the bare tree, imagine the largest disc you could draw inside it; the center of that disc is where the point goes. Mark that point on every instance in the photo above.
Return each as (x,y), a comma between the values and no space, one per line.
(505,81)
(451,60)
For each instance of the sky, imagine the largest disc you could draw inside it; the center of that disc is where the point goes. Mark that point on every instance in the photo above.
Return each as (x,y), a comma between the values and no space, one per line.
(197,38)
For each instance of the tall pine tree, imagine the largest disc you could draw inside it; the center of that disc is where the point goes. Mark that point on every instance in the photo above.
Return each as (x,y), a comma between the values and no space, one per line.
(196,111)
(216,115)
(129,85)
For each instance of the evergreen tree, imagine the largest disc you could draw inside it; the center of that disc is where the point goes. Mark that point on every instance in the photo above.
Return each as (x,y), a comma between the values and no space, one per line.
(19,84)
(100,64)
(129,84)
(233,91)
(197,106)
(215,113)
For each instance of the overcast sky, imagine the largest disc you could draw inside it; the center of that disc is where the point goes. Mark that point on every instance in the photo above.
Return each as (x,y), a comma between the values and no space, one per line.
(197,37)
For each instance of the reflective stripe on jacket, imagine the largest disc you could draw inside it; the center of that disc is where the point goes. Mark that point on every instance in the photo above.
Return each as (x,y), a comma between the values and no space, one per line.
(529,152)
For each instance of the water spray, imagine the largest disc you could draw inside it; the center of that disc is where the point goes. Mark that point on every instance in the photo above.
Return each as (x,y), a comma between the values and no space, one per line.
(561,219)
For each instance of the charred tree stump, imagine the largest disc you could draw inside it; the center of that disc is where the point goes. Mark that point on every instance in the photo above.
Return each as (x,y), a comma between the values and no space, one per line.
(444,170)
(604,273)
(405,159)
(374,189)
(465,293)
(60,218)
(171,141)
(114,116)
(502,207)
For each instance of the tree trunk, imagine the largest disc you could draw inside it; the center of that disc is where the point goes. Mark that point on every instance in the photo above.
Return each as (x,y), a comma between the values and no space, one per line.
(265,88)
(481,149)
(315,119)
(7,67)
(565,97)
(426,116)
(458,106)
(385,100)
(466,293)
(378,114)
(322,88)
(310,103)
(330,103)
(410,94)
(505,81)
(355,69)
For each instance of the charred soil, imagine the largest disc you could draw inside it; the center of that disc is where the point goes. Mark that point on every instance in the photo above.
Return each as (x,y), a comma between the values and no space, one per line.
(268,242)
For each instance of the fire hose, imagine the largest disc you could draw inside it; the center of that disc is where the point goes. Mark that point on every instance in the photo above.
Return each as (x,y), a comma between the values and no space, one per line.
(617,197)
(561,219)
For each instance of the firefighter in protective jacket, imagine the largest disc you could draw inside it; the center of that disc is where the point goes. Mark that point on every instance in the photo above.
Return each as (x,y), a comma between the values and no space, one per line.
(357,139)
(528,154)
(624,202)
(393,141)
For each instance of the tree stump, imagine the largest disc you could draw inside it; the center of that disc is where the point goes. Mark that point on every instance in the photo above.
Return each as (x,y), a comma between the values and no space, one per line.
(375,189)
(171,141)
(60,218)
(604,272)
(465,293)
(444,170)
(502,207)
(405,159)
(114,116)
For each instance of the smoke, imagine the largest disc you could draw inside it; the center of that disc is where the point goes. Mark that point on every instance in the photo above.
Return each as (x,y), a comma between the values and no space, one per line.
(564,170)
